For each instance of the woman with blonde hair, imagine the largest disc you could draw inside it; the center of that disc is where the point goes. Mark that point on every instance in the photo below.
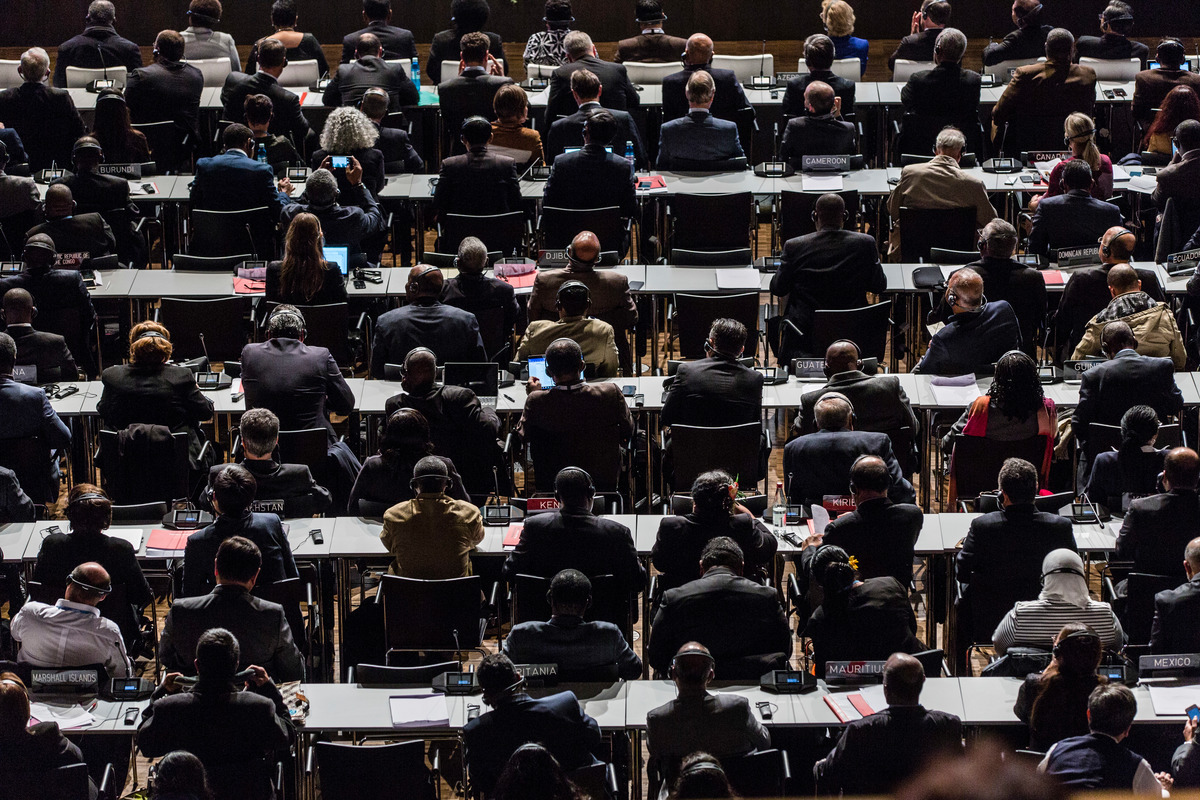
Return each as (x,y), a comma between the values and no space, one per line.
(1079,135)
(838,17)
(304,277)
(349,132)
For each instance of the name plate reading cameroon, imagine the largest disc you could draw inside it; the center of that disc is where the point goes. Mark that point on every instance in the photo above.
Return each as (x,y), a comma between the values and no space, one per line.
(127,171)
(1183,263)
(553,258)
(1077,256)
(64,680)
(1170,662)
(853,672)
(825,164)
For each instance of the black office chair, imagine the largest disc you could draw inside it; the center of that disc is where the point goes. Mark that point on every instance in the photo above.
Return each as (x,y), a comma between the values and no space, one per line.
(224,233)
(733,448)
(867,327)
(738,257)
(550,454)
(452,619)
(1102,438)
(940,255)
(1031,133)
(13,229)
(948,228)
(695,314)
(917,133)
(329,326)
(291,593)
(144,513)
(130,481)
(59,783)
(170,143)
(795,209)
(738,164)
(529,602)
(968,160)
(222,323)
(192,263)
(502,232)
(381,675)
(976,461)
(558,226)
(29,457)
(761,774)
(1138,615)
(349,772)
(713,221)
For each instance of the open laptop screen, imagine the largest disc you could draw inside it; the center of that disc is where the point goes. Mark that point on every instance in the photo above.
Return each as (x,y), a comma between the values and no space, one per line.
(339,256)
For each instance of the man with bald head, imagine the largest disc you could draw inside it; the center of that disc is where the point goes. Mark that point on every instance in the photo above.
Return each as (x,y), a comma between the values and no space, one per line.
(946,94)
(1041,95)
(877,753)
(575,411)
(618,92)
(71,633)
(44,117)
(595,337)
(977,333)
(424,321)
(730,101)
(484,297)
(1153,324)
(818,464)
(820,132)
(77,237)
(98,46)
(830,269)
(1028,41)
(1158,528)
(46,353)
(1176,627)
(819,52)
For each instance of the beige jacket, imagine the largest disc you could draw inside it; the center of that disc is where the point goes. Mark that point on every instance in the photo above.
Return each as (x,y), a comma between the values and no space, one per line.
(595,337)
(1157,334)
(939,183)
(431,536)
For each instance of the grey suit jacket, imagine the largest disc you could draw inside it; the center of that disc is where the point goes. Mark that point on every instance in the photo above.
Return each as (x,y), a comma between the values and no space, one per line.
(720,724)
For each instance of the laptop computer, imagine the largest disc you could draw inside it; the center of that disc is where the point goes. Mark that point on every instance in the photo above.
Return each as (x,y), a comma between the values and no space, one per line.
(339,256)
(481,378)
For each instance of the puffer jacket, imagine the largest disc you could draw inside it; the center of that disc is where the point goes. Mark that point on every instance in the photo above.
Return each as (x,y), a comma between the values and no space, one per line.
(1155,329)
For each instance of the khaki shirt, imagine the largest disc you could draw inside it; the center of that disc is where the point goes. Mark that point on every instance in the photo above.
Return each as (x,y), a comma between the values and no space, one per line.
(431,536)
(939,183)
(594,337)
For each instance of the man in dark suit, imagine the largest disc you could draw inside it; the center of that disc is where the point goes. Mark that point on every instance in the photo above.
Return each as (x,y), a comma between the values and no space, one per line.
(877,753)
(234,180)
(397,42)
(237,735)
(369,70)
(478,182)
(261,625)
(485,297)
(820,132)
(465,16)
(574,538)
(287,490)
(653,45)
(46,353)
(287,120)
(1074,218)
(94,193)
(15,506)
(358,225)
(830,269)
(25,411)
(166,89)
(1176,626)
(472,92)
(977,332)
(425,321)
(557,722)
(618,92)
(18,193)
(593,177)
(818,58)
(699,138)
(1179,180)
(819,463)
(730,102)
(1156,528)
(568,131)
(59,294)
(1044,92)
(946,94)
(880,400)
(45,118)
(1151,86)
(1028,41)
(98,46)
(77,237)
(398,152)
(927,25)
(718,390)
(1116,23)
(881,534)
(740,622)
(1000,562)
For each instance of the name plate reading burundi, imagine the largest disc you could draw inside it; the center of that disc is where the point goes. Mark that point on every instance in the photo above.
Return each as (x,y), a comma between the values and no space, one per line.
(1077,256)
(853,672)
(825,163)
(1169,662)
(127,171)
(1182,263)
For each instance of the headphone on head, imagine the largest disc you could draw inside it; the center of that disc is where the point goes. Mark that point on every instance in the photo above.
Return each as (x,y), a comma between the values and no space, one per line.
(411,353)
(857,356)
(295,313)
(425,270)
(712,662)
(93,496)
(844,399)
(1106,249)
(1062,571)
(952,300)
(853,488)
(695,768)
(1173,48)
(1068,139)
(98,589)
(1056,651)
(82,145)
(574,259)
(149,335)
(591,486)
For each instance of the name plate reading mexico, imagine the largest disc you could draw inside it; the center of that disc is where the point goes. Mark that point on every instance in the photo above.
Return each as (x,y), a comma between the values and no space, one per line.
(1169,661)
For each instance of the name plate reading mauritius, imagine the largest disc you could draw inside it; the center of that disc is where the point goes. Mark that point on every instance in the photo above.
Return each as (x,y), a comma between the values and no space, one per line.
(853,672)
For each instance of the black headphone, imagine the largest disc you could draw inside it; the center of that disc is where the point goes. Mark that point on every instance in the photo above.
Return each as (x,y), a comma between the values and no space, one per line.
(280,310)
(82,144)
(858,364)
(706,765)
(98,589)
(149,335)
(591,487)
(425,270)
(574,259)
(853,488)
(952,300)
(93,496)
(709,348)
(846,400)
(1063,571)
(404,363)
(1056,651)
(1106,249)
(712,662)
(1172,47)
(1067,139)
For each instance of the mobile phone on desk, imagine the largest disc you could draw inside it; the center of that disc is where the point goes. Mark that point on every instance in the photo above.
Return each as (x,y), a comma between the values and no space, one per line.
(359,283)
(629,390)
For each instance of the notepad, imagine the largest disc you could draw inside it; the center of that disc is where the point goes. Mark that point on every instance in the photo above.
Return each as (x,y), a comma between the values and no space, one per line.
(738,279)
(247,286)
(419,711)
(954,390)
(822,183)
(1173,700)
(512,537)
(134,537)
(72,717)
(169,542)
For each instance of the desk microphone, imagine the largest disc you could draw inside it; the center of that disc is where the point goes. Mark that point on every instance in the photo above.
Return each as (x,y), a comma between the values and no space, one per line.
(762,81)
(1095,510)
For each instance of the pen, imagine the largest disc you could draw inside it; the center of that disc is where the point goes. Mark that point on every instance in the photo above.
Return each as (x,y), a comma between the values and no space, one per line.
(509,399)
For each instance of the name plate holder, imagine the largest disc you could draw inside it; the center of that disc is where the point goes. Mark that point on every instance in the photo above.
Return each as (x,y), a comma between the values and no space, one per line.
(1169,665)
(825,164)
(130,172)
(1183,263)
(1068,257)
(853,673)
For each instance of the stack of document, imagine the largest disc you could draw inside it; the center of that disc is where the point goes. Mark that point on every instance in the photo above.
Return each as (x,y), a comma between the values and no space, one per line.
(419,711)
(71,717)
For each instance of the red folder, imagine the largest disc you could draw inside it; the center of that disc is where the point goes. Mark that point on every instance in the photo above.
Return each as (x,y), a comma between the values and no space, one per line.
(520,281)
(512,537)
(1053,277)
(837,712)
(161,539)
(860,703)
(247,286)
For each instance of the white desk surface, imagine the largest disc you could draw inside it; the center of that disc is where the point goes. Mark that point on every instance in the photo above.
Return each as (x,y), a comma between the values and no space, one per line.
(1087,537)
(73,406)
(644,696)
(115,283)
(941,694)
(349,706)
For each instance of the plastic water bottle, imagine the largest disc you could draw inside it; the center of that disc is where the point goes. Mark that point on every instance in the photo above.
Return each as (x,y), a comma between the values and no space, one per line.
(779,507)
(416,74)
(262,153)
(629,157)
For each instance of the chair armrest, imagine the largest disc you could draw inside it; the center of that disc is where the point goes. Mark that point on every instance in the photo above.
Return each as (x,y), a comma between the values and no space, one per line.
(278,782)
(155,315)
(793,591)
(139,225)
(107,789)
(310,761)
(509,443)
(1108,589)
(203,452)
(361,325)
(783,763)
(610,780)
(494,597)
(350,678)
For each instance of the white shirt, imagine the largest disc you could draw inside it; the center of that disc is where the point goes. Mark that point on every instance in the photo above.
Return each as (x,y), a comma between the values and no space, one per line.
(69,634)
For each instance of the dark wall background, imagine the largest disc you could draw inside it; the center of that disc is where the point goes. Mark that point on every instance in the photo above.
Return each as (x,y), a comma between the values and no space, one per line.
(49,22)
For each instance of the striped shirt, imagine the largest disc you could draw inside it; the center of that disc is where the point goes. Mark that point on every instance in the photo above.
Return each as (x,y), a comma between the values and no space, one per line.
(1035,624)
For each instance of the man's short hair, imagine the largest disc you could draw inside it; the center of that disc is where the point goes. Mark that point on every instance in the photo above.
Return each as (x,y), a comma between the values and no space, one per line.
(1077,174)
(377,9)
(234,489)
(574,298)
(1001,238)
(8,354)
(1187,135)
(951,44)
(474,47)
(101,12)
(1059,44)
(1123,278)
(91,514)
(259,428)
(238,559)
(35,64)
(968,287)
(217,655)
(903,677)
(950,140)
(830,209)
(283,12)
(368,45)
(563,356)
(375,103)
(728,336)
(1111,709)
(431,474)
(235,136)
(469,15)
(700,87)
(722,551)
(649,11)
(586,84)
(601,126)
(1117,336)
(169,45)
(1181,468)
(472,254)
(573,486)
(285,322)
(870,474)
(578,45)
(321,188)
(818,52)
(570,588)
(1018,480)
(832,412)
(510,101)
(1118,16)
(1191,553)
(272,53)
(496,672)
(258,108)
(938,12)
(476,131)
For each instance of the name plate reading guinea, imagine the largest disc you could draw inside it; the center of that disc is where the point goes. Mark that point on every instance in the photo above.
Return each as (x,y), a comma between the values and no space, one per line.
(1179,263)
(1169,661)
(127,171)
(843,672)
(1077,256)
(825,163)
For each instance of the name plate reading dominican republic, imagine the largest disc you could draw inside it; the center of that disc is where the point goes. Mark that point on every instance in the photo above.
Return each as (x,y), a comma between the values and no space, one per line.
(1077,256)
(127,171)
(1182,263)
(1170,661)
(825,163)
(842,673)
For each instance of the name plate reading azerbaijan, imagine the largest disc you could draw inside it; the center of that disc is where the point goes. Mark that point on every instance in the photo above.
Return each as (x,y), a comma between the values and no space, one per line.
(1169,661)
(127,171)
(1077,256)
(844,672)
(825,163)
(1179,263)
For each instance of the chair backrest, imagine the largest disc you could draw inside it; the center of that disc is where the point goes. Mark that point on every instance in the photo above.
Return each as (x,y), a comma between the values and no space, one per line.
(403,63)
(380,675)
(222,322)
(738,257)
(648,74)
(306,447)
(610,603)
(867,327)
(449,69)
(349,772)
(919,132)
(941,255)
(1101,438)
(747,67)
(905,69)
(922,229)
(796,209)
(931,660)
(139,512)
(446,606)
(43,592)
(1139,603)
(214,70)
(977,460)
(848,69)
(327,326)
(14,227)
(170,144)
(79,77)
(695,314)
(9,77)
(1005,68)
(540,71)
(736,164)
(1113,69)
(130,481)
(760,774)
(224,233)
(712,221)
(58,783)
(300,73)
(600,459)
(502,232)
(190,263)
(733,448)
(29,458)
(559,226)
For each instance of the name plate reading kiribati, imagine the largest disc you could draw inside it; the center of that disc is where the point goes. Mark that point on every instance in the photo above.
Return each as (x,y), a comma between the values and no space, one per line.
(1180,661)
(1180,263)
(1077,256)
(127,171)
(553,258)
(825,163)
(844,672)
(64,680)
(838,503)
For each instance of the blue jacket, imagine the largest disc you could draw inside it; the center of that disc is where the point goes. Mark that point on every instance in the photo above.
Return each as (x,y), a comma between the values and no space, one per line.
(973,339)
(265,530)
(852,47)
(572,644)
(1073,219)
(233,181)
(698,137)
(25,411)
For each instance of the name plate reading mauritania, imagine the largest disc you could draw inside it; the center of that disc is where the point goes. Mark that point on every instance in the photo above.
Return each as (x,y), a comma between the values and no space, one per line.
(127,171)
(825,163)
(1077,256)
(853,672)
(1182,263)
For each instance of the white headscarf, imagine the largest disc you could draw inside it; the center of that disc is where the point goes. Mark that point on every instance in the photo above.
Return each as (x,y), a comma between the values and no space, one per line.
(1063,578)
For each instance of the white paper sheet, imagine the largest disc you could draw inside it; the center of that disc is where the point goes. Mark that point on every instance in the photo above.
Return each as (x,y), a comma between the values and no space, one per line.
(842,701)
(1119,173)
(68,717)
(955,395)
(738,279)
(1173,700)
(874,696)
(1145,183)
(820,518)
(134,536)
(822,183)
(419,711)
